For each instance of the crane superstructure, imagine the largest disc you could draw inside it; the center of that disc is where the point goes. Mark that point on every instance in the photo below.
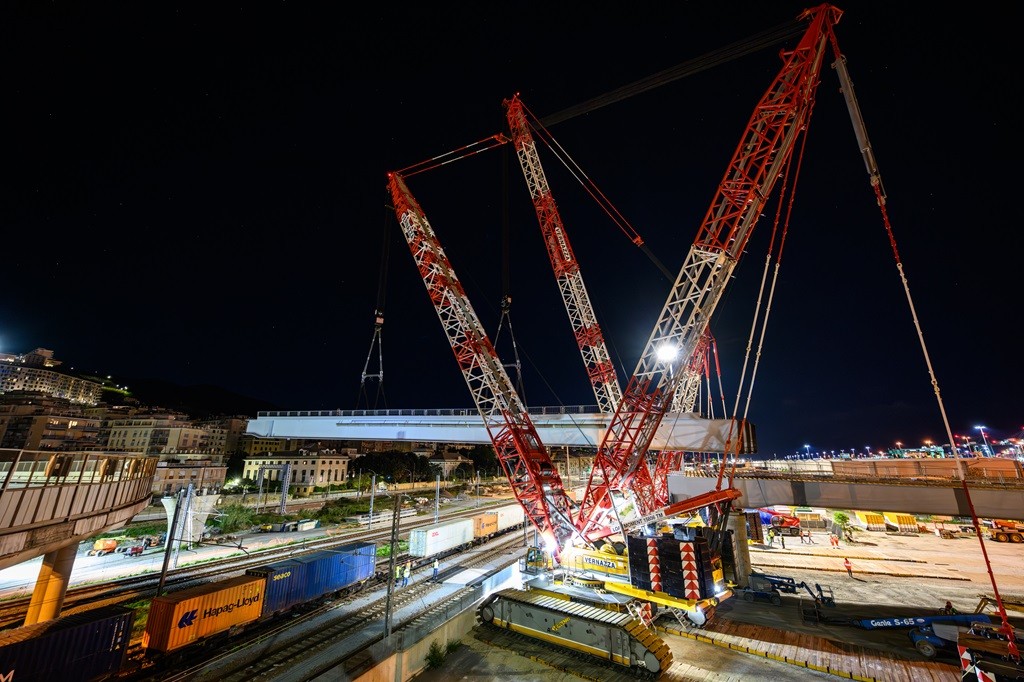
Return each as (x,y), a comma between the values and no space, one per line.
(760,159)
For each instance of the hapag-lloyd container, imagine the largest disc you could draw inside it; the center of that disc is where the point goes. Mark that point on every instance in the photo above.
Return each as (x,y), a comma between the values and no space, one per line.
(181,618)
(440,537)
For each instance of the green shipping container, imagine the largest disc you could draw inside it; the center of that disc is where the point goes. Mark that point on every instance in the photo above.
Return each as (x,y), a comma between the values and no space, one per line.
(181,618)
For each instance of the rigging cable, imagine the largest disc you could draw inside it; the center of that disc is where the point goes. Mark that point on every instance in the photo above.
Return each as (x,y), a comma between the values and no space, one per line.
(506,296)
(741,48)
(875,179)
(377,340)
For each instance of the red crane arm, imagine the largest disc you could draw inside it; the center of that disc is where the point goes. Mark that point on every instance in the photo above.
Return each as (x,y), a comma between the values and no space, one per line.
(534,479)
(589,337)
(762,154)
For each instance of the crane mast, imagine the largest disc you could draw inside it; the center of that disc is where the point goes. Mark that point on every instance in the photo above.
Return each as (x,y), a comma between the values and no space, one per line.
(759,160)
(588,334)
(534,479)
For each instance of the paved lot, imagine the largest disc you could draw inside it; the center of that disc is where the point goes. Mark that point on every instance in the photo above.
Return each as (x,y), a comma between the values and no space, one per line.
(920,570)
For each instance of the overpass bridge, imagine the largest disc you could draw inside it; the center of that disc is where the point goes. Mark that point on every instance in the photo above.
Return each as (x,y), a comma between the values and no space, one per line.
(993,497)
(567,425)
(52,501)
(921,487)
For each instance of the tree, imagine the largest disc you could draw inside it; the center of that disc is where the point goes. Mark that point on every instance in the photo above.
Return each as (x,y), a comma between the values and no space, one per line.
(235,517)
(842,520)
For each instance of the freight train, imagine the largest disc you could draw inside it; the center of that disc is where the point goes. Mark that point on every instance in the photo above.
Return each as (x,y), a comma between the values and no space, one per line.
(93,645)
(449,536)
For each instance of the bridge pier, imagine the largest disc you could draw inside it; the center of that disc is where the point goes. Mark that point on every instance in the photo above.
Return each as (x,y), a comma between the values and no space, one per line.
(51,585)
(740,550)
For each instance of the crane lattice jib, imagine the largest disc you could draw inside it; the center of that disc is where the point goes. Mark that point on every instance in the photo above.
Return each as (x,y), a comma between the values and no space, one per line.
(534,479)
(766,147)
(589,338)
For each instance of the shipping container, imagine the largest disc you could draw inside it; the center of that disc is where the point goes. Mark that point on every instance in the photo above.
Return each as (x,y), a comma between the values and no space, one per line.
(485,525)
(440,537)
(307,524)
(182,618)
(338,569)
(84,646)
(286,585)
(510,516)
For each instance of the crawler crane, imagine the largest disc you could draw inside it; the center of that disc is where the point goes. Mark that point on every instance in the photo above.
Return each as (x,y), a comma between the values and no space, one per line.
(622,507)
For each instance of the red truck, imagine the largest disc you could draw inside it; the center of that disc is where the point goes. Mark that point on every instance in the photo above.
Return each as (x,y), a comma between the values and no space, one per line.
(784,524)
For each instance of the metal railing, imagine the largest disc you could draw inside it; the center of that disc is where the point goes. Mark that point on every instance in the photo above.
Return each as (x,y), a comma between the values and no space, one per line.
(427,412)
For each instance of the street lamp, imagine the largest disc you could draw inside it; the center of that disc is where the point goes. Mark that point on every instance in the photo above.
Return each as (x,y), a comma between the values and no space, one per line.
(808,450)
(984,439)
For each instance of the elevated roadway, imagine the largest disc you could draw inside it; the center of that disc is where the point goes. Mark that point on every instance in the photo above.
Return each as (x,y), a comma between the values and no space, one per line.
(571,425)
(52,501)
(994,498)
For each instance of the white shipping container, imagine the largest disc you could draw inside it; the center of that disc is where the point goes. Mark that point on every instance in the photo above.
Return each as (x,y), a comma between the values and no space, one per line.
(510,516)
(440,537)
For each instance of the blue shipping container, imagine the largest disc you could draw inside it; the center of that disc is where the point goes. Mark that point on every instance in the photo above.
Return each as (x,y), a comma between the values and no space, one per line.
(286,585)
(76,648)
(332,570)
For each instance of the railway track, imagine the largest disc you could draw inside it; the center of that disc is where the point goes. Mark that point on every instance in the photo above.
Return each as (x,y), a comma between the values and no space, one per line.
(131,588)
(299,646)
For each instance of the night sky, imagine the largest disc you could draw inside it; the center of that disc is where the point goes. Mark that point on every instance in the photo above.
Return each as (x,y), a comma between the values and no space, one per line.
(200,196)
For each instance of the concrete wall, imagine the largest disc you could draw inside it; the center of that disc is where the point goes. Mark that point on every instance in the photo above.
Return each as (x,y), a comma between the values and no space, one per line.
(921,498)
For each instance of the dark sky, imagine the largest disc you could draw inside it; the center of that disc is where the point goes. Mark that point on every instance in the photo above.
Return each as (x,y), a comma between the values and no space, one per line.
(200,197)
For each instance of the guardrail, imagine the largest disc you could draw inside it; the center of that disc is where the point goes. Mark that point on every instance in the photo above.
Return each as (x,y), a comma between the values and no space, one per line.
(983,472)
(428,412)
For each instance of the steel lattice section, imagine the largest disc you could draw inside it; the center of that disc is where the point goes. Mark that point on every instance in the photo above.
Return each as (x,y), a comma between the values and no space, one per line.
(534,480)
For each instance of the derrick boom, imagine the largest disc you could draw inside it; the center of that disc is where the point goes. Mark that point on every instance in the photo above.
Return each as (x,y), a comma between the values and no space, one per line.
(588,334)
(762,155)
(523,457)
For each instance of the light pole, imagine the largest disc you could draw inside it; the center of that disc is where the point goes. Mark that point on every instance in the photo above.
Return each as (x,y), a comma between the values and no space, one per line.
(373,490)
(984,439)
(808,450)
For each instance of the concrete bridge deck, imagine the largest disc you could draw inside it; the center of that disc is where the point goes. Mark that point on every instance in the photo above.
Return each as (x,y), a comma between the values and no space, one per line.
(993,498)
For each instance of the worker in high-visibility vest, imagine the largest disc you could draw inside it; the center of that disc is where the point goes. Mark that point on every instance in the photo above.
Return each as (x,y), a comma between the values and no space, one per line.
(848,566)
(398,574)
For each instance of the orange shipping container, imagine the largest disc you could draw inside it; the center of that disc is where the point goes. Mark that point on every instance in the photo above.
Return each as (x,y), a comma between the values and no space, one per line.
(181,618)
(485,524)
